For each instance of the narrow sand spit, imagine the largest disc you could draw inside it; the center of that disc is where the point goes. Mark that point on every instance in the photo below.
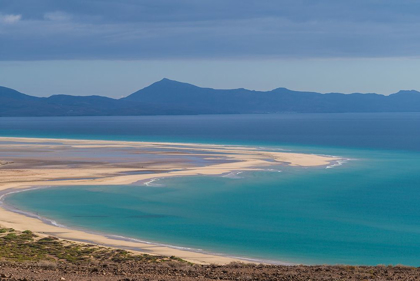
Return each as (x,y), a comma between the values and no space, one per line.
(32,162)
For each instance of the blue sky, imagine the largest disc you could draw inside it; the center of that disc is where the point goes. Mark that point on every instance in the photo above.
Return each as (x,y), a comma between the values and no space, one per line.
(113,48)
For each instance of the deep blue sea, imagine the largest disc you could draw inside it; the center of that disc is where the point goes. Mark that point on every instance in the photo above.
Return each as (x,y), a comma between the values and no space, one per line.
(366,211)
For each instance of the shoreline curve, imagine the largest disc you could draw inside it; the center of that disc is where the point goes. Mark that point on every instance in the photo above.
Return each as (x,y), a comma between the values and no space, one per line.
(234,158)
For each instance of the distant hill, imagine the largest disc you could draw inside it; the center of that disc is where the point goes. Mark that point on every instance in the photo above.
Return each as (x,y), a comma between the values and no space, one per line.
(172,97)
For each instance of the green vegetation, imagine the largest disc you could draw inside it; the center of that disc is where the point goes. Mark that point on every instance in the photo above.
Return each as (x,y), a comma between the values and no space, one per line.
(26,246)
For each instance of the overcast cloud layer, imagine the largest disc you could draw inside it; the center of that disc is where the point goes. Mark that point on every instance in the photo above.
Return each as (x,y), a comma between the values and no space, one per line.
(162,29)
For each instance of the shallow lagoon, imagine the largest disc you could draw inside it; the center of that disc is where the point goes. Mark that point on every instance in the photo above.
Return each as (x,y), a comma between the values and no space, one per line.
(363,212)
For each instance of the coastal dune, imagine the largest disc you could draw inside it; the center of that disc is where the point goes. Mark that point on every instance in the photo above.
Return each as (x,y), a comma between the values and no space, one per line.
(27,163)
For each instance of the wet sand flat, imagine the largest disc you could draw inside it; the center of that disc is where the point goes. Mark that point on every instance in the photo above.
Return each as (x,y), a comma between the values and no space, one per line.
(29,162)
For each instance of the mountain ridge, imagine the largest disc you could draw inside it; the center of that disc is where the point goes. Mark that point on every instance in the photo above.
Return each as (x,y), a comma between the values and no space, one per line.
(170,97)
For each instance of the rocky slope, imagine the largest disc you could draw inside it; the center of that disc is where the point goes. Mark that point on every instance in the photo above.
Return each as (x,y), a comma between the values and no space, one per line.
(27,256)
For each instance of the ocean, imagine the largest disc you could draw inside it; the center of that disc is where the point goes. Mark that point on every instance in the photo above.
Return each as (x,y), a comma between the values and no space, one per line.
(364,211)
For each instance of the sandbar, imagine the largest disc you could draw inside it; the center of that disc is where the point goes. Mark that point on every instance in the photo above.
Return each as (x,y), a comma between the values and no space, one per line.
(40,162)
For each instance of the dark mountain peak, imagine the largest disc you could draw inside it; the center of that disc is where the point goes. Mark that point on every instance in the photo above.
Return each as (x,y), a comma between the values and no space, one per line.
(165,82)
(5,90)
(13,94)
(283,90)
(173,97)
(407,92)
(168,83)
(165,87)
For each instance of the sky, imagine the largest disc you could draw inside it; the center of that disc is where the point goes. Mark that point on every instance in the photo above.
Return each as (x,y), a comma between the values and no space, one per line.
(113,48)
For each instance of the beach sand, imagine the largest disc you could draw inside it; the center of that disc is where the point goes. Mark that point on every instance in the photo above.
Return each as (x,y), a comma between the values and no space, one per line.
(33,162)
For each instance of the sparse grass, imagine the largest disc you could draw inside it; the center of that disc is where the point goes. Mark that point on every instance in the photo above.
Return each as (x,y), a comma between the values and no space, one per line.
(26,246)
(24,254)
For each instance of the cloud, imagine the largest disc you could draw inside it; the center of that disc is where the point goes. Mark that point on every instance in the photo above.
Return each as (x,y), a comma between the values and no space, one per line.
(10,19)
(57,16)
(161,29)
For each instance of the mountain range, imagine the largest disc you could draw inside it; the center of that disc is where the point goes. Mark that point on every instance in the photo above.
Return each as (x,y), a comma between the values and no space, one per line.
(168,97)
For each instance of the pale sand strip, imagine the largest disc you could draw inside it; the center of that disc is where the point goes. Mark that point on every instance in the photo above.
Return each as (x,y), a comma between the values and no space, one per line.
(243,159)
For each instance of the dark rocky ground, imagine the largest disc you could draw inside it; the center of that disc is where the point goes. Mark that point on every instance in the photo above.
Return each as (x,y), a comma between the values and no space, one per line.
(175,270)
(25,256)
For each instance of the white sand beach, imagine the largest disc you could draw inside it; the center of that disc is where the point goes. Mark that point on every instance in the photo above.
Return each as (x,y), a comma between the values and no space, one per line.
(33,162)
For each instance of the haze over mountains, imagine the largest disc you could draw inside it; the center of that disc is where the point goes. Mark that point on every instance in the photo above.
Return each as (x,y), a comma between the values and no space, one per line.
(176,98)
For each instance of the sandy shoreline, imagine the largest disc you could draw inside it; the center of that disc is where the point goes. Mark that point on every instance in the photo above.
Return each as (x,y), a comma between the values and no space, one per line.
(30,162)
(139,248)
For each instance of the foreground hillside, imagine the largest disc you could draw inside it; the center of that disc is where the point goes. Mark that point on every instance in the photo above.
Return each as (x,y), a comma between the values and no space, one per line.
(27,256)
(167,97)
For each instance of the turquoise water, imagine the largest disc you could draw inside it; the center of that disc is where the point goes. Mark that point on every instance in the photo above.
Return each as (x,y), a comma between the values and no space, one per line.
(366,211)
